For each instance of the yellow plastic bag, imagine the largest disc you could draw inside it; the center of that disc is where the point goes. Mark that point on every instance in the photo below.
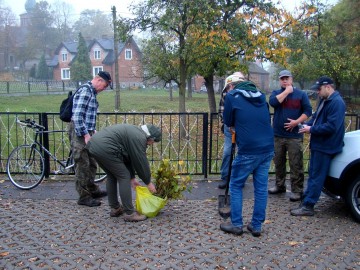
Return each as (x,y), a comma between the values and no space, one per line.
(148,204)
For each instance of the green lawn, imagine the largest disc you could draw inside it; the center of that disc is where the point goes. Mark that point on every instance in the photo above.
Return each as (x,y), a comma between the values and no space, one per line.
(141,100)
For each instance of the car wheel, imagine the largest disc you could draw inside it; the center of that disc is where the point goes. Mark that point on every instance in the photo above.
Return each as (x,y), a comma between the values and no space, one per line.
(352,198)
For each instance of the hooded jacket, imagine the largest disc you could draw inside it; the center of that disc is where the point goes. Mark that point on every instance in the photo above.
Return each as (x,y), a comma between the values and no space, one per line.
(246,109)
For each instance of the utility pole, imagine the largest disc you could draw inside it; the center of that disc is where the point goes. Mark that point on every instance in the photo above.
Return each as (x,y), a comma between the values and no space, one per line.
(116,44)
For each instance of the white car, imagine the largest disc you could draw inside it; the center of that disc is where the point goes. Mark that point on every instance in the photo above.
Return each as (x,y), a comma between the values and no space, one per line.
(344,175)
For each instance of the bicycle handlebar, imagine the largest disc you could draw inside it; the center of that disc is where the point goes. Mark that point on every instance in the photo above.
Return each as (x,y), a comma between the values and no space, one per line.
(30,123)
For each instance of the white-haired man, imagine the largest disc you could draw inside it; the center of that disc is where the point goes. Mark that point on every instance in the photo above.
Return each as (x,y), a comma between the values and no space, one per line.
(230,83)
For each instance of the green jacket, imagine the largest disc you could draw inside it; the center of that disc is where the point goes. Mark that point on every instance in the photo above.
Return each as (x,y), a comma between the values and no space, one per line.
(126,142)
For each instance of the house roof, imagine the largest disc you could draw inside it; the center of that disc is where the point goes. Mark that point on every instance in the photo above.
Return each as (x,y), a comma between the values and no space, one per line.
(256,69)
(107,44)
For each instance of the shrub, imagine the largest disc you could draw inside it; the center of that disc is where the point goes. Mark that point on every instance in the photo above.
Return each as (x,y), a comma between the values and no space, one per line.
(169,184)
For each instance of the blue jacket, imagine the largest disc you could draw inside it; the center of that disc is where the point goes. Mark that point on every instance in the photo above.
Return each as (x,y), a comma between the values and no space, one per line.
(296,104)
(246,109)
(327,134)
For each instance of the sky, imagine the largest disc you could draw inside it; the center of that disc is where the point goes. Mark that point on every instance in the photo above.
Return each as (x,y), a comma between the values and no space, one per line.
(18,6)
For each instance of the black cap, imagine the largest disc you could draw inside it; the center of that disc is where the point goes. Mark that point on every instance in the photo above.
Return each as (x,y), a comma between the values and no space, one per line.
(324,80)
(106,76)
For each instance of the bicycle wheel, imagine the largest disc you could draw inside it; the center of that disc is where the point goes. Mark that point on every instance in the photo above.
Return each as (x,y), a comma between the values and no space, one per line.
(100,175)
(25,167)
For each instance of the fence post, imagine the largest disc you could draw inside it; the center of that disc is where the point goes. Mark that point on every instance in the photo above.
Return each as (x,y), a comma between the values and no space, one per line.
(205,144)
(45,142)
(8,87)
(29,86)
(47,86)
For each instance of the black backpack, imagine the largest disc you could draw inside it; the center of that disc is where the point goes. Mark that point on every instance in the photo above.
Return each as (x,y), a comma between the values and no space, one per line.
(67,104)
(66,107)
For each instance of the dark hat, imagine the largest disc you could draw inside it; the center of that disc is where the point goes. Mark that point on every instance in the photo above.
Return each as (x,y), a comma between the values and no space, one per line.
(324,80)
(155,132)
(285,73)
(106,76)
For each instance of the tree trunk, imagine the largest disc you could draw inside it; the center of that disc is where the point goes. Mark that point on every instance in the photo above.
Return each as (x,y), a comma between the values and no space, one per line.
(209,83)
(189,88)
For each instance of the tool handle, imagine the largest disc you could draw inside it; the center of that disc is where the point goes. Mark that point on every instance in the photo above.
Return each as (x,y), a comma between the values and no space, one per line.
(232,136)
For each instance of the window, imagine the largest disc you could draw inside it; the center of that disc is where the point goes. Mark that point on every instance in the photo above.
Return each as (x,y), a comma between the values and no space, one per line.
(65,73)
(96,70)
(97,54)
(128,54)
(64,56)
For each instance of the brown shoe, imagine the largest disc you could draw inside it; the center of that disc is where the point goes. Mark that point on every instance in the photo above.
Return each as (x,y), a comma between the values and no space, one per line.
(277,190)
(116,212)
(134,217)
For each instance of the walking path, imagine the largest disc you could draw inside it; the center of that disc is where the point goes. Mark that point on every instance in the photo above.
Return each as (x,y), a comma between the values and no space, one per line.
(44,228)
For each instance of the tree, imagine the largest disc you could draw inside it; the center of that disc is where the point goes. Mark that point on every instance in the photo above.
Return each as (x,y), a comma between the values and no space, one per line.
(43,70)
(81,68)
(63,19)
(41,35)
(328,44)
(94,24)
(173,19)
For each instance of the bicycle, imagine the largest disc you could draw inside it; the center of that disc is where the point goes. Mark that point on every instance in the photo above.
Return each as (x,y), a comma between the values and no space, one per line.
(25,165)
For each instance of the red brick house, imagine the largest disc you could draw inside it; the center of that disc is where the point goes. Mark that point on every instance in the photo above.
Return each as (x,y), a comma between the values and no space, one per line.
(102,57)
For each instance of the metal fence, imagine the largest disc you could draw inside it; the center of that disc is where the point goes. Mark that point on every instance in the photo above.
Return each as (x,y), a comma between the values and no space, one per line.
(193,142)
(36,87)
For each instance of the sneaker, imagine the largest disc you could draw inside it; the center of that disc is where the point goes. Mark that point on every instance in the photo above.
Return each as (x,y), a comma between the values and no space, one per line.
(277,190)
(296,196)
(116,212)
(134,217)
(99,194)
(253,231)
(303,210)
(88,201)
(229,228)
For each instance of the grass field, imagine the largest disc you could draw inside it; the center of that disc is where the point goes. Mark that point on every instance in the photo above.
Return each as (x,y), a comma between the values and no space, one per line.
(144,100)
(141,100)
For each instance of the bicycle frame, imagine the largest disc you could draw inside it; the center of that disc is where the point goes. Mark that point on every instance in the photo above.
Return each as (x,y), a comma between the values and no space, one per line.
(65,166)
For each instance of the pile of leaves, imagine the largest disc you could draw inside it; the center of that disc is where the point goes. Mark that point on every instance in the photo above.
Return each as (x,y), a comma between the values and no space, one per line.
(169,184)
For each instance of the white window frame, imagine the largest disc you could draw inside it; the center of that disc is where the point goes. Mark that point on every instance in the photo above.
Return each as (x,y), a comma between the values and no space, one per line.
(97,69)
(65,74)
(64,56)
(97,54)
(128,51)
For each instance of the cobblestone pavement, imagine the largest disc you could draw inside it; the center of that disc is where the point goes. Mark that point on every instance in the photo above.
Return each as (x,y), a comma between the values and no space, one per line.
(45,229)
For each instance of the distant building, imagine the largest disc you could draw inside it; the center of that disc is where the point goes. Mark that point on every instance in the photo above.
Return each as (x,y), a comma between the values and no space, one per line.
(102,57)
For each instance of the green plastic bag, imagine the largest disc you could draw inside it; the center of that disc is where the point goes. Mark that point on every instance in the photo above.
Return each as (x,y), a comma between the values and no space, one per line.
(148,204)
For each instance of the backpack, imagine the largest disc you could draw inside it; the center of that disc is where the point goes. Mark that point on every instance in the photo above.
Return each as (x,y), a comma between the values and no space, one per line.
(66,107)
(67,104)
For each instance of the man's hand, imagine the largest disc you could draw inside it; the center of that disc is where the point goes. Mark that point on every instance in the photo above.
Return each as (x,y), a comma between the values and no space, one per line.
(289,126)
(151,188)
(134,183)
(305,129)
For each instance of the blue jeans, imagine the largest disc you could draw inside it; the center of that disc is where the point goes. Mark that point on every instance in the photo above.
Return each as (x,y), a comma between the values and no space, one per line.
(318,171)
(242,167)
(224,170)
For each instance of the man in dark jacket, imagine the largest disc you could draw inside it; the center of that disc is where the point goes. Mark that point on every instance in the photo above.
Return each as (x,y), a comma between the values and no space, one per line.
(247,111)
(120,151)
(291,108)
(327,129)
